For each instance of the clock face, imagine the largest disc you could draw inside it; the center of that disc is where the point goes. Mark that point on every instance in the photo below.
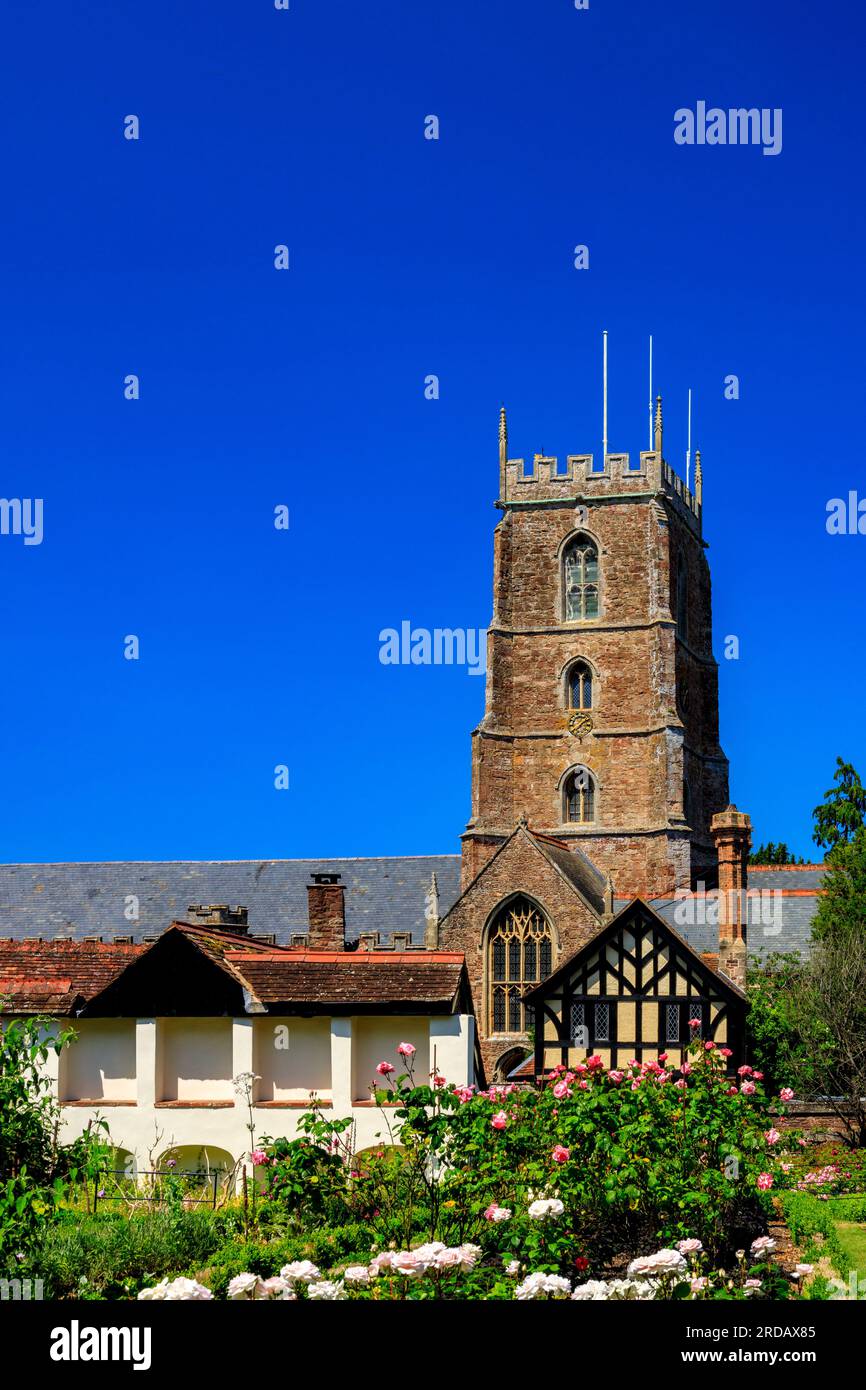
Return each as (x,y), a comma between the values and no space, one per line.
(580,723)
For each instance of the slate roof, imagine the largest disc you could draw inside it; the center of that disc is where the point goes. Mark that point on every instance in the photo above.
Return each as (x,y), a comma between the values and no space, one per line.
(778,924)
(387,895)
(77,900)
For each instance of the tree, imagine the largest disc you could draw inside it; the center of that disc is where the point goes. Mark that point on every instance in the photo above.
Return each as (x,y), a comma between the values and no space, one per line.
(843,810)
(772,853)
(776,1045)
(842,905)
(830,1007)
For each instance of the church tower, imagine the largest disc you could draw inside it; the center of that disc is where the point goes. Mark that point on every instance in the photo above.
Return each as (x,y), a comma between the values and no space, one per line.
(601,718)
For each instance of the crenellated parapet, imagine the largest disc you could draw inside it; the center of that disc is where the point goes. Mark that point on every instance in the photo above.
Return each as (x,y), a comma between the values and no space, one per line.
(591,478)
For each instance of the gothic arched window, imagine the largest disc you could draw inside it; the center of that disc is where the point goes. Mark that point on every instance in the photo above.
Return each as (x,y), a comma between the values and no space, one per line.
(579,797)
(580,686)
(520,954)
(580,579)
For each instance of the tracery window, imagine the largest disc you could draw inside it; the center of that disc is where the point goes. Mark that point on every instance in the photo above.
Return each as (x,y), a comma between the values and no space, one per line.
(580,580)
(520,955)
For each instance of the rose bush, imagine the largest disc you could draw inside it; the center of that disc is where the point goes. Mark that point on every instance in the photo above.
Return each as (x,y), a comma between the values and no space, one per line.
(575,1173)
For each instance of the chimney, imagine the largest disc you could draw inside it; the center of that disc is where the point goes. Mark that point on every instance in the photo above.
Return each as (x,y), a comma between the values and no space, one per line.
(326,909)
(732,835)
(233,919)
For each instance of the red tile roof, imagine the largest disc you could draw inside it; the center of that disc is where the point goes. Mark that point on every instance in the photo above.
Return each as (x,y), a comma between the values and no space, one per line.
(50,976)
(57,977)
(323,981)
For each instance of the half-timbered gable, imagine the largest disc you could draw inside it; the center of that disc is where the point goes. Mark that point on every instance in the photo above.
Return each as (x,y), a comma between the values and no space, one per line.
(631,993)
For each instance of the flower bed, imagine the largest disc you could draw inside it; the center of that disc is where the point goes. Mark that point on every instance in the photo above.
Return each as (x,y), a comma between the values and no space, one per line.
(436,1271)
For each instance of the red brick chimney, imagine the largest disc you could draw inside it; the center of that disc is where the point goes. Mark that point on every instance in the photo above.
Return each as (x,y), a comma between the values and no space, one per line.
(732,835)
(326,908)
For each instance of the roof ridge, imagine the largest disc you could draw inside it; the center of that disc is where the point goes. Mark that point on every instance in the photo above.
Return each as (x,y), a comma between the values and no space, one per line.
(307,859)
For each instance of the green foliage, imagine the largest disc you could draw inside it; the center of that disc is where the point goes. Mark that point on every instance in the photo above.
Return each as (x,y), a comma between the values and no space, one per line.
(772,853)
(843,810)
(29,1112)
(777,1046)
(813,1226)
(29,1155)
(842,906)
(646,1161)
(111,1255)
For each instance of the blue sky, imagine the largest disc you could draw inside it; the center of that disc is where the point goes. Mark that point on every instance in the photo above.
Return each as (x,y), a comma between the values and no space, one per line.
(306,387)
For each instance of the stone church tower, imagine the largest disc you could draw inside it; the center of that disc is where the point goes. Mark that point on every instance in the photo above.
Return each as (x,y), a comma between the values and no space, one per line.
(596,770)
(601,719)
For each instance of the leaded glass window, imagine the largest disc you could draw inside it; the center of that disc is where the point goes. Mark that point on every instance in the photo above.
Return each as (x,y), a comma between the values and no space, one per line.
(577,1025)
(672,1023)
(579,797)
(499,1010)
(581,580)
(498,960)
(602,1023)
(520,956)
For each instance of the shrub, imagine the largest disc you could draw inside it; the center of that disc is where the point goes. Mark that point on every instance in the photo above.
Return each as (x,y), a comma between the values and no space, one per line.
(110,1254)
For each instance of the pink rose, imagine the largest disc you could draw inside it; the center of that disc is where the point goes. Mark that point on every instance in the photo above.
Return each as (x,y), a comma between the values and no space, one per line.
(560,1154)
(744,1071)
(406,1049)
(772,1136)
(258,1157)
(384,1068)
(786,1093)
(560,1090)
(594,1063)
(748,1088)
(708,1046)
(694,1023)
(758,1075)
(686,1068)
(726,1052)
(663,1056)
(765,1182)
(500,1120)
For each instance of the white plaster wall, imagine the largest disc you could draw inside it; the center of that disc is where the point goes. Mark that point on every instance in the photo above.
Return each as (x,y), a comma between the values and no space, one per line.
(135,1128)
(100,1063)
(375,1040)
(194,1059)
(291,1057)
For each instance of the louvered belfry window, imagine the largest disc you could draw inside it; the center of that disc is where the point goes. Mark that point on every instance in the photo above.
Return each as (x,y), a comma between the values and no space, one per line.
(520,955)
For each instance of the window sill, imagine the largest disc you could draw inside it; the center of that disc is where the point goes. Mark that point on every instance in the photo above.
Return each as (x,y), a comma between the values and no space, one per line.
(94,1104)
(292,1105)
(193,1105)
